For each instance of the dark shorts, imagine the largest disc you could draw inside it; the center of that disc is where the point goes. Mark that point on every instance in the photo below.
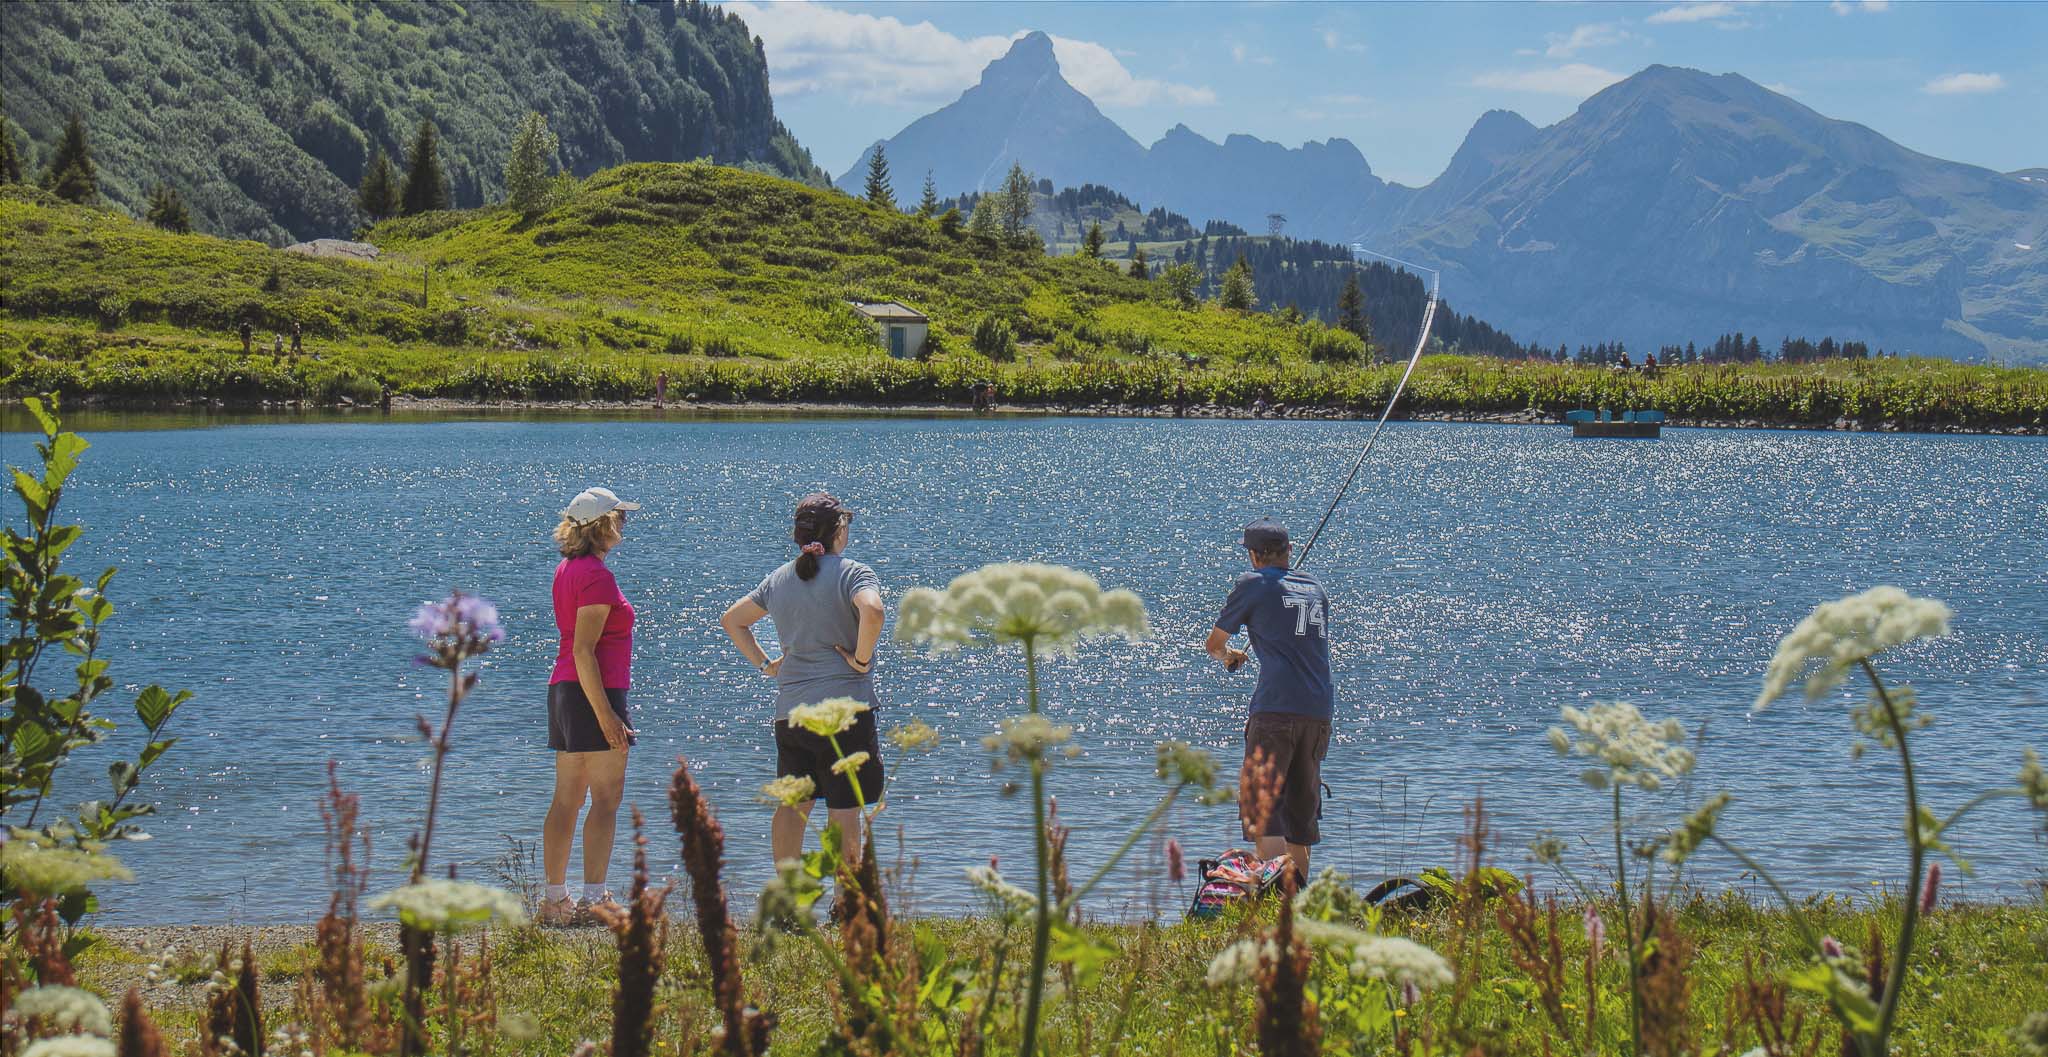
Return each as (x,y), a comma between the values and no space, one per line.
(802,754)
(1296,746)
(572,726)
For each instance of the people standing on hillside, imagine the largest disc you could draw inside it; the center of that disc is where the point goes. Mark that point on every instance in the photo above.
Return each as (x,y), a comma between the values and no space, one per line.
(827,611)
(298,344)
(248,336)
(1287,617)
(590,726)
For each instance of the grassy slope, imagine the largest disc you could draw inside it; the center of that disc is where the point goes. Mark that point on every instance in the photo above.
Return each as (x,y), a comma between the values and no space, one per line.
(1970,985)
(733,283)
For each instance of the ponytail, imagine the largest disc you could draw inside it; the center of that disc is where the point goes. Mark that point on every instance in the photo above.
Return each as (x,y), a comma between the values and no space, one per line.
(814,534)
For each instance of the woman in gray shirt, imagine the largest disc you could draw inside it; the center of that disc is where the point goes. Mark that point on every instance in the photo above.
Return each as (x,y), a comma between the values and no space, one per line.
(828,615)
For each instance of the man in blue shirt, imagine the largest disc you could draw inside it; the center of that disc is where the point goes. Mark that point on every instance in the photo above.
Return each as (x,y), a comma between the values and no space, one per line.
(1287,616)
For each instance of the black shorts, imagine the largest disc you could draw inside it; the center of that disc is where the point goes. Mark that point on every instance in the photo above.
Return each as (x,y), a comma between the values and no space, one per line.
(572,726)
(1296,746)
(802,754)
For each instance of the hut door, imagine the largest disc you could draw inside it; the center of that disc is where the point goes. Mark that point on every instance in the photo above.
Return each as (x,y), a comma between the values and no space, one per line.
(896,342)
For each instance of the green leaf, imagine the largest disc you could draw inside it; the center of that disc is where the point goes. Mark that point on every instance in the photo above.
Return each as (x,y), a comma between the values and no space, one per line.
(45,416)
(32,493)
(154,706)
(1850,1001)
(31,741)
(122,774)
(1086,954)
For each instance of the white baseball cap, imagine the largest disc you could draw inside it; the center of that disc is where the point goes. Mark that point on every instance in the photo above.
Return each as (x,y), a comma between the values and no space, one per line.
(594,503)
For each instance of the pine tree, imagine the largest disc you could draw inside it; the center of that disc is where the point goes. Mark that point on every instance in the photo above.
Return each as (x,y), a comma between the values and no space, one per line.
(377,195)
(426,185)
(878,192)
(526,167)
(1016,202)
(949,222)
(167,210)
(1351,309)
(1237,291)
(10,162)
(928,205)
(72,175)
(1138,268)
(985,222)
(1091,244)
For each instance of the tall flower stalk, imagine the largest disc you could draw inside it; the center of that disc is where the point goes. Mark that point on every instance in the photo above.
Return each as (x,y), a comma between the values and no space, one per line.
(1041,609)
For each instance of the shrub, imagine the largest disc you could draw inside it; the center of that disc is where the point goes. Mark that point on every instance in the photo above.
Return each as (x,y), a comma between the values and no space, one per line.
(992,338)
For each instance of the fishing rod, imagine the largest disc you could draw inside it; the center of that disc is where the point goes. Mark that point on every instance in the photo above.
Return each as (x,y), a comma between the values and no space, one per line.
(1421,342)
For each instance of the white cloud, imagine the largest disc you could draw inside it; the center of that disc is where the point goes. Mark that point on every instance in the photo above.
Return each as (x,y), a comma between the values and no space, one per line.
(1573,79)
(1334,41)
(1591,35)
(1850,7)
(1241,55)
(1707,11)
(814,47)
(1964,84)
(1782,88)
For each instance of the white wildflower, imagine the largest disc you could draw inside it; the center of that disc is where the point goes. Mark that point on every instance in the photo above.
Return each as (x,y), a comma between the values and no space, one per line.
(1027,737)
(914,736)
(68,1009)
(1842,633)
(1389,958)
(1547,848)
(70,1046)
(1008,901)
(442,904)
(1049,606)
(1330,897)
(1635,751)
(49,872)
(849,764)
(789,790)
(831,716)
(1239,962)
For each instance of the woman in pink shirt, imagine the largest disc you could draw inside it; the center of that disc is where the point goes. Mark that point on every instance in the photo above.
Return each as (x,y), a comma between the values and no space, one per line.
(589,725)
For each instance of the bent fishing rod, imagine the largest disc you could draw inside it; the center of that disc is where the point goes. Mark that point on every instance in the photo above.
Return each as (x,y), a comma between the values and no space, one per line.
(1421,342)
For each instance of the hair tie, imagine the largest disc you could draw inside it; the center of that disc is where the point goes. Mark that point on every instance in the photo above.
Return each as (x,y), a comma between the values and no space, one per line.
(814,549)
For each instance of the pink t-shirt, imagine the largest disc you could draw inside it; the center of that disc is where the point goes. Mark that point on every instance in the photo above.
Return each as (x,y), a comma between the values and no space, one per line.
(583,582)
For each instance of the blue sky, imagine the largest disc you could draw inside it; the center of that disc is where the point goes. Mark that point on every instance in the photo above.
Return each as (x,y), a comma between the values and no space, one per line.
(1404,81)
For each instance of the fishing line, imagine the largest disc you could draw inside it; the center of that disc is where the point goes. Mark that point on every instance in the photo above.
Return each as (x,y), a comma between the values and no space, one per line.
(1421,341)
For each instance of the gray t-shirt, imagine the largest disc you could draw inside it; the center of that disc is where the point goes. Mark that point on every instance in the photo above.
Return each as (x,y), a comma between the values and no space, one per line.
(811,616)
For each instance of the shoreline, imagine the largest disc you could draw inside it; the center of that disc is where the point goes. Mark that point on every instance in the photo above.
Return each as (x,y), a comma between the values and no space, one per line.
(428,406)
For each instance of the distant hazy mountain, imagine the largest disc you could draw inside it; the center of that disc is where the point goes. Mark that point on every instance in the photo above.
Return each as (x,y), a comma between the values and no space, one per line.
(1673,206)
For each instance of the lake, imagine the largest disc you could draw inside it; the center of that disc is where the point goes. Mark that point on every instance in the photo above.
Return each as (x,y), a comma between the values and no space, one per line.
(1480,577)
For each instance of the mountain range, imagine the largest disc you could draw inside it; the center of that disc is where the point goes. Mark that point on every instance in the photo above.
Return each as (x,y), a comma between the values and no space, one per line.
(1673,205)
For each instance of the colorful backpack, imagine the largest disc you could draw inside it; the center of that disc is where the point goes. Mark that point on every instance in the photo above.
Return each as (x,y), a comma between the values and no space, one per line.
(1236,876)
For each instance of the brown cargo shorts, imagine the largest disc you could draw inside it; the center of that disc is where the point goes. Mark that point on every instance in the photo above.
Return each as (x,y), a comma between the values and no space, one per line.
(1295,745)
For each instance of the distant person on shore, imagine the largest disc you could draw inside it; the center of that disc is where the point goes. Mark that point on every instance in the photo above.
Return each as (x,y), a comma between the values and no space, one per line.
(298,342)
(1180,398)
(590,726)
(1287,616)
(827,611)
(248,337)
(277,345)
(661,390)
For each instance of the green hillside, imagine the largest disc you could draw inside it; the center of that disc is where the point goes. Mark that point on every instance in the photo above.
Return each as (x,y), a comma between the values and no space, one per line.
(263,116)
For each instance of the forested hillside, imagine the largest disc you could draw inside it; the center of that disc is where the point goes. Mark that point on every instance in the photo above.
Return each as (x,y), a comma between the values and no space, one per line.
(263,116)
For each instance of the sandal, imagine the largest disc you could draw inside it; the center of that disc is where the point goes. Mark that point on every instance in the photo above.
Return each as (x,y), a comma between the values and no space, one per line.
(558,913)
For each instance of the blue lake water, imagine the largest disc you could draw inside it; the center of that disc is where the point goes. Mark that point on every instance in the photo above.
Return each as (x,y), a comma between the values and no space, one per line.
(1480,577)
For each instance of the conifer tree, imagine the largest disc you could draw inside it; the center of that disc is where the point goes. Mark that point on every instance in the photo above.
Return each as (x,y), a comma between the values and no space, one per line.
(985,221)
(526,167)
(1091,243)
(426,185)
(72,175)
(377,195)
(1351,309)
(878,192)
(1237,291)
(1016,202)
(167,210)
(928,205)
(1138,268)
(10,162)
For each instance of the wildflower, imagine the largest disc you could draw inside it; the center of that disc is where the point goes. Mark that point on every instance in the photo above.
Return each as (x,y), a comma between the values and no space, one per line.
(1698,827)
(1179,761)
(1547,849)
(1842,633)
(914,736)
(1830,947)
(2033,780)
(1048,606)
(1389,958)
(46,872)
(457,628)
(1596,933)
(789,790)
(1239,962)
(441,905)
(69,1009)
(70,1046)
(1928,892)
(1329,897)
(1176,861)
(1009,902)
(1635,751)
(849,764)
(831,716)
(1410,994)
(1027,737)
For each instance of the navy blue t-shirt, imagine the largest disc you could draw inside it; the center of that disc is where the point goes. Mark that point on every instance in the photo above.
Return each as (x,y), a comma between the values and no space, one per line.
(1288,616)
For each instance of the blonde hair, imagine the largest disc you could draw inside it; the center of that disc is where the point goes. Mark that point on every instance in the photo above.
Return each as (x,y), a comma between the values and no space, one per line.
(577,539)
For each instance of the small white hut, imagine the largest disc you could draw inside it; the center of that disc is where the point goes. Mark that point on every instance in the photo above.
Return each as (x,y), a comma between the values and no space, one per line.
(900,328)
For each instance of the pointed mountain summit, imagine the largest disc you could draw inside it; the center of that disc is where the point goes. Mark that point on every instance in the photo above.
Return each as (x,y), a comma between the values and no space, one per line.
(1022,110)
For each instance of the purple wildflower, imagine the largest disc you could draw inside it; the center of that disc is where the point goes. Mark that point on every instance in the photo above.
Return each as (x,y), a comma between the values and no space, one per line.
(1927,895)
(456,629)
(1596,932)
(1176,861)
(1830,947)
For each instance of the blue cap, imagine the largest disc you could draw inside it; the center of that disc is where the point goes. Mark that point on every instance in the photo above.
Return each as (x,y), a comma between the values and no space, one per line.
(1265,534)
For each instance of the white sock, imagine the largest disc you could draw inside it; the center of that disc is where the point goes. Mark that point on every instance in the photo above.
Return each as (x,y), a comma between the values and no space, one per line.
(559,892)
(595,890)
